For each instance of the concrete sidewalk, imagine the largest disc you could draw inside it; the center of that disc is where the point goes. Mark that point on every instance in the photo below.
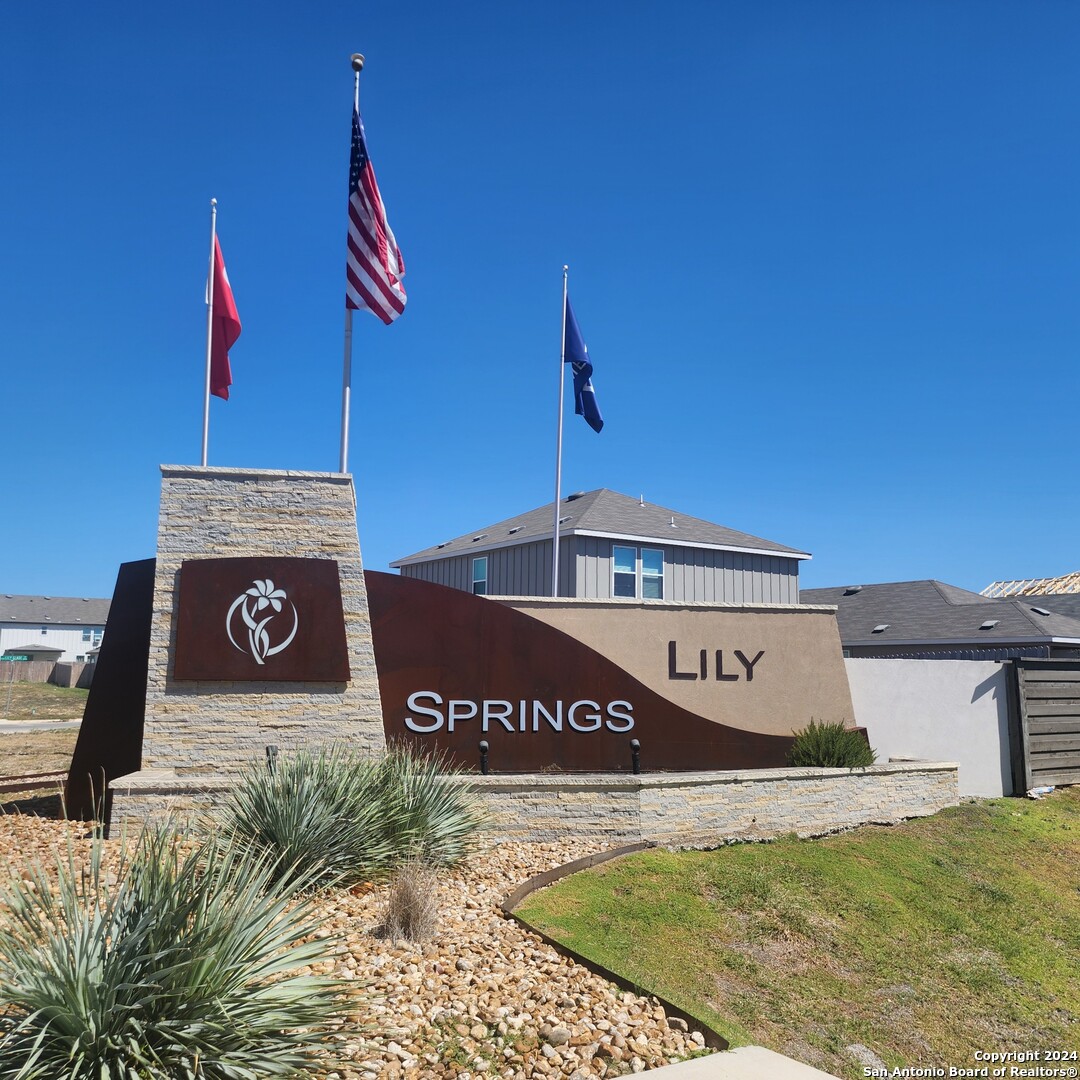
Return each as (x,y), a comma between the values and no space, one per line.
(743,1063)
(36,725)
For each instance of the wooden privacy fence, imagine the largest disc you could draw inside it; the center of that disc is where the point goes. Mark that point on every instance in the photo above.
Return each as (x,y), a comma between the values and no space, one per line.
(1046,750)
(60,673)
(26,670)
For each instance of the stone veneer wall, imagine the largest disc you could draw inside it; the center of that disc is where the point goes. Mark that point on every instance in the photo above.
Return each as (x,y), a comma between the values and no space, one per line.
(706,809)
(216,727)
(678,809)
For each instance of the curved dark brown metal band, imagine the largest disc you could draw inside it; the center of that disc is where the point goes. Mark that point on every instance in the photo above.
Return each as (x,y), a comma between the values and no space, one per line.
(453,645)
(713,1039)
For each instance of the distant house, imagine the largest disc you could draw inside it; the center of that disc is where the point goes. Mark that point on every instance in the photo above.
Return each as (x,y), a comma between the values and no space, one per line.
(47,653)
(934,621)
(67,626)
(613,546)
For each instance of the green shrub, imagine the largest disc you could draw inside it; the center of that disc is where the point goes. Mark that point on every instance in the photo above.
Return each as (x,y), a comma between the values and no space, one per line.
(180,960)
(336,818)
(830,745)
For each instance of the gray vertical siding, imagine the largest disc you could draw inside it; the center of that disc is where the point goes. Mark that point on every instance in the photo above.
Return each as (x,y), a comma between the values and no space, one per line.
(730,577)
(523,570)
(455,571)
(722,577)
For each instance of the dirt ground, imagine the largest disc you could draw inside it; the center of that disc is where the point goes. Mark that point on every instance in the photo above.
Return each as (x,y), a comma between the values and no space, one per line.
(29,753)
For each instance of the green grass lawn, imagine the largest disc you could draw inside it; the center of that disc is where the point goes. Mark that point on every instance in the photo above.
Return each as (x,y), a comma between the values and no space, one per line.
(924,941)
(41,701)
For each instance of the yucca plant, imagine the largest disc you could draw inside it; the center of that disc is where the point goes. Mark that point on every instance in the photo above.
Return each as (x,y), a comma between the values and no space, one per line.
(337,818)
(830,745)
(426,815)
(316,815)
(183,960)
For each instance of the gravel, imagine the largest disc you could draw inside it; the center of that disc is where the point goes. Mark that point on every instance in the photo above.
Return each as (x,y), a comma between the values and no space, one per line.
(481,998)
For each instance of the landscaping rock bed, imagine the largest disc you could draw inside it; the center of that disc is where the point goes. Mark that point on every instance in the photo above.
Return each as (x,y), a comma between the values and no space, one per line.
(481,997)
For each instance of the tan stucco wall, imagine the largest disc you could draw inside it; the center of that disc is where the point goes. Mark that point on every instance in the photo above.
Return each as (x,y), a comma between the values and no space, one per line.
(801,676)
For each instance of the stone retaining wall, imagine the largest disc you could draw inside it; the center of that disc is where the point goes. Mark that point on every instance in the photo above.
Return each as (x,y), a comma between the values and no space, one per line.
(678,809)
(705,809)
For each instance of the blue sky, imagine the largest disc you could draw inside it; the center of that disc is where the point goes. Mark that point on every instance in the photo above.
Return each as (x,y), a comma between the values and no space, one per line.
(825,256)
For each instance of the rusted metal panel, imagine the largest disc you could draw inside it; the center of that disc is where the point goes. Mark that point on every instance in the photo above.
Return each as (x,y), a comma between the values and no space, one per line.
(110,736)
(455,669)
(266,619)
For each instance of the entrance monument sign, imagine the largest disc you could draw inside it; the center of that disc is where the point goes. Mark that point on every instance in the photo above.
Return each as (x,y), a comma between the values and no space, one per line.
(260,630)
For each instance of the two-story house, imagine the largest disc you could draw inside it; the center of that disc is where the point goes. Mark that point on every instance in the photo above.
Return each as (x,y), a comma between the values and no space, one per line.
(611,546)
(66,628)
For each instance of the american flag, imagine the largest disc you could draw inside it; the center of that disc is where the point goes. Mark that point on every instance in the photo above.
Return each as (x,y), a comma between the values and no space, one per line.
(374,267)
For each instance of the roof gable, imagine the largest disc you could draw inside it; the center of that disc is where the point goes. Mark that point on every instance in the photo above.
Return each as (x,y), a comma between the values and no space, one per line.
(603,513)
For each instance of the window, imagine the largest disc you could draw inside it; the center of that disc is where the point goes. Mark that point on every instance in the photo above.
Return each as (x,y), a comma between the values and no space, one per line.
(479,575)
(652,574)
(624,561)
(86,633)
(97,635)
(44,631)
(626,573)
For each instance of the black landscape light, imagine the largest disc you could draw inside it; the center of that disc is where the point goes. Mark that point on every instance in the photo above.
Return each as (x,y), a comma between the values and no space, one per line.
(635,756)
(271,757)
(483,757)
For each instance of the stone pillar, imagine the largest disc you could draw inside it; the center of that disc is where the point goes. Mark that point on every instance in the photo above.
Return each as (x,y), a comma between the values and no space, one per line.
(214,728)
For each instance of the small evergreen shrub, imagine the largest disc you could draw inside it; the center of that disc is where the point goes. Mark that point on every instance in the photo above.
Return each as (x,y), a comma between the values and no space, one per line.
(178,960)
(337,818)
(830,745)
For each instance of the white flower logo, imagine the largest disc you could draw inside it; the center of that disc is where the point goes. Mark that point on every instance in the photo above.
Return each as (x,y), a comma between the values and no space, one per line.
(261,596)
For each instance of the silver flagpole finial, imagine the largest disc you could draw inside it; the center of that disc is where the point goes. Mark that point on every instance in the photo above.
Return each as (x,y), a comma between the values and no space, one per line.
(357,60)
(213,202)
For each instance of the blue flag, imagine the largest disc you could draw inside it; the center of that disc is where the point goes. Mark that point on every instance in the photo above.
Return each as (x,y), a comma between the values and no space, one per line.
(576,353)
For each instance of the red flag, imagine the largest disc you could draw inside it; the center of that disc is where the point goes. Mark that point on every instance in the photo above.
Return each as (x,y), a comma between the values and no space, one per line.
(225,329)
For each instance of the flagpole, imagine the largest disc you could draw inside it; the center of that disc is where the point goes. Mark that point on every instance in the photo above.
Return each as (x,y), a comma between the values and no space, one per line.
(357,61)
(346,382)
(209,331)
(558,447)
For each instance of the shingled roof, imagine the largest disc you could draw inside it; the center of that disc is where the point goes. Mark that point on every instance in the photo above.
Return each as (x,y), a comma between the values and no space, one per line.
(50,652)
(86,610)
(925,612)
(604,513)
